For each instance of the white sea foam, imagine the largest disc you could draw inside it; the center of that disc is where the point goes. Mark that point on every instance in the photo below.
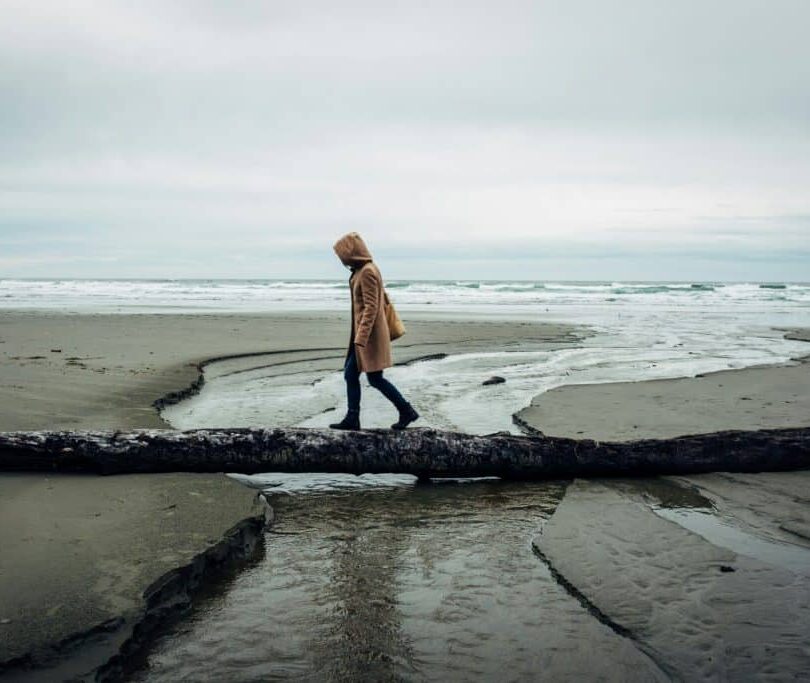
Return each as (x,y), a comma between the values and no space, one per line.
(644,330)
(449,392)
(281,483)
(470,296)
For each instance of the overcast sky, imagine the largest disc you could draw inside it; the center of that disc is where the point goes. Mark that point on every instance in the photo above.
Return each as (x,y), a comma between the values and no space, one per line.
(575,139)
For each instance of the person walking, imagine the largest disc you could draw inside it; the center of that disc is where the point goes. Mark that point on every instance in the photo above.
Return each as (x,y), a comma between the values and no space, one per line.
(370,342)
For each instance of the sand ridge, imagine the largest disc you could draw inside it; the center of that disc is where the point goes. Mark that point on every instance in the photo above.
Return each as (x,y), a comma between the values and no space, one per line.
(772,397)
(83,553)
(701,611)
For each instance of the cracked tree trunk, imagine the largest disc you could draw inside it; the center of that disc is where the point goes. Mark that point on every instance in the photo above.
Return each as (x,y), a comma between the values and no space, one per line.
(422,452)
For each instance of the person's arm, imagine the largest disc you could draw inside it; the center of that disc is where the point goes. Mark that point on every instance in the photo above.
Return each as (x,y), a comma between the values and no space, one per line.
(370,285)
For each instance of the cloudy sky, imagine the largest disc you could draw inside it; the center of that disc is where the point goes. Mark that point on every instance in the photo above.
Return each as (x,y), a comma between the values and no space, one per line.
(576,139)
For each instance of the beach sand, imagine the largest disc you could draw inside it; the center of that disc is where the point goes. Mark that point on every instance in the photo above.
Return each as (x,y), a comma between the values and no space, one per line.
(753,398)
(60,371)
(79,551)
(82,553)
(709,575)
(704,594)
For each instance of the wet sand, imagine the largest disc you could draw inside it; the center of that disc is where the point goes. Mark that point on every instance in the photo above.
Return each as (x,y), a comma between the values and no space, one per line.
(87,558)
(78,553)
(709,575)
(425,583)
(645,559)
(105,371)
(676,571)
(753,398)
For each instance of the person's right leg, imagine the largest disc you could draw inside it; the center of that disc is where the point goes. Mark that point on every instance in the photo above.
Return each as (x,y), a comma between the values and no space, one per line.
(351,373)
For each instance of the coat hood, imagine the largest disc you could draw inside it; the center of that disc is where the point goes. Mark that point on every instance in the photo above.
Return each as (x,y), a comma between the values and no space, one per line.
(352,250)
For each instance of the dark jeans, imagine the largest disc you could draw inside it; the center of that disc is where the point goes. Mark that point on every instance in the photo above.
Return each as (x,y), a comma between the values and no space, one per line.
(351,373)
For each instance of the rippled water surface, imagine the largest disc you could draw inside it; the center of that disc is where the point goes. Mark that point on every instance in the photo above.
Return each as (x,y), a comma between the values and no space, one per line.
(416,583)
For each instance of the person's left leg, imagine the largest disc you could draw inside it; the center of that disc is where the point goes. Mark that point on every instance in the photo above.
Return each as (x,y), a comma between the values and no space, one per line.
(407,414)
(351,374)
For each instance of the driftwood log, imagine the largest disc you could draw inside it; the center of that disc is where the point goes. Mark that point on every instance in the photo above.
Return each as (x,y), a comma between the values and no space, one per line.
(423,452)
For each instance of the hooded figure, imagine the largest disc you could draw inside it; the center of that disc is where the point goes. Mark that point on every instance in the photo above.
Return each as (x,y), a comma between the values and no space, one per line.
(369,332)
(370,341)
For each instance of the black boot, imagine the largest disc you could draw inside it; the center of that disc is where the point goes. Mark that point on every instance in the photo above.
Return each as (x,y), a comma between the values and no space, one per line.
(406,415)
(351,421)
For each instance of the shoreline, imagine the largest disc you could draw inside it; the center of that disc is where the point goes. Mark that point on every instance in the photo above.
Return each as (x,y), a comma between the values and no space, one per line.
(111,371)
(775,396)
(121,383)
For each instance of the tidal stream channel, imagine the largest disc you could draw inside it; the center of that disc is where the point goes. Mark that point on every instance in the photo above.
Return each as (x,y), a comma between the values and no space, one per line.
(380,578)
(429,582)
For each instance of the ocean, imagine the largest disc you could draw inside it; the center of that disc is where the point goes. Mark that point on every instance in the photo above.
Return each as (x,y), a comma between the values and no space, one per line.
(560,300)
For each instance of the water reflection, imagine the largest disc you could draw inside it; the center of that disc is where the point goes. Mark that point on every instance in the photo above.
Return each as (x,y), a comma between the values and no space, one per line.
(362,635)
(739,525)
(424,583)
(665,493)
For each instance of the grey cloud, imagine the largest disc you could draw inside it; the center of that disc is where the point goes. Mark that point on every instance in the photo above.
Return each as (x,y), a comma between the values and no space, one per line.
(631,125)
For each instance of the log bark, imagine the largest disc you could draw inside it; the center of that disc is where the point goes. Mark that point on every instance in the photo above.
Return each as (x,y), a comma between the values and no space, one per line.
(422,452)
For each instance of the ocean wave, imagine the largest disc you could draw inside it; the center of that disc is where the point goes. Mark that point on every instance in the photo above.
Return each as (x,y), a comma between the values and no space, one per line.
(649,289)
(508,286)
(468,295)
(663,288)
(579,287)
(306,285)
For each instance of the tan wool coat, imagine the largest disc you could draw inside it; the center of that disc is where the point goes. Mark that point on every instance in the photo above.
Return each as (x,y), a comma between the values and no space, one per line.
(369,331)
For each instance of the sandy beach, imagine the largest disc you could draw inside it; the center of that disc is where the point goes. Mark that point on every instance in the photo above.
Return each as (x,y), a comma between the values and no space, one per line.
(64,371)
(676,569)
(118,536)
(754,398)
(709,575)
(87,559)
